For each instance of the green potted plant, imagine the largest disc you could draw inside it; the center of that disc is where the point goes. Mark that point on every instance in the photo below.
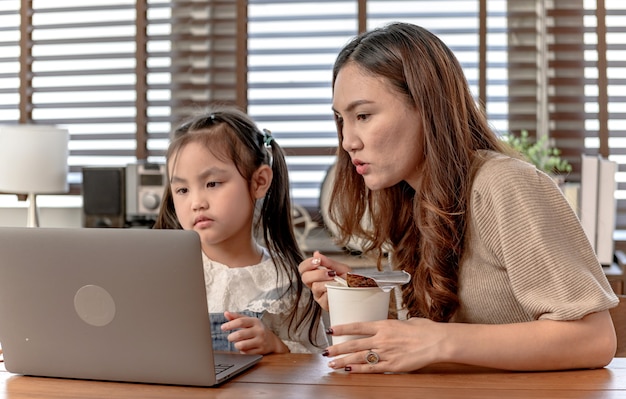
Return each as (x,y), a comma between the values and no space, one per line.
(538,152)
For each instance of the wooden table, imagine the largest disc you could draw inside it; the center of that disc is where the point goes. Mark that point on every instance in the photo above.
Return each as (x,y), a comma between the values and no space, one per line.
(307,376)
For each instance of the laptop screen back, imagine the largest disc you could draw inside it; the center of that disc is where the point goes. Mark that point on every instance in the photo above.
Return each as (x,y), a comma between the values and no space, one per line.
(105,304)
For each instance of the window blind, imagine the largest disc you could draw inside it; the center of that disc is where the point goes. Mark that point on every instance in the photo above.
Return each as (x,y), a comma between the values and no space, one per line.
(291,49)
(117,74)
(568,78)
(605,83)
(82,61)
(9,61)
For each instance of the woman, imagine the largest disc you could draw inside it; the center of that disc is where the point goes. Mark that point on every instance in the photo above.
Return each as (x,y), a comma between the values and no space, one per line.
(502,273)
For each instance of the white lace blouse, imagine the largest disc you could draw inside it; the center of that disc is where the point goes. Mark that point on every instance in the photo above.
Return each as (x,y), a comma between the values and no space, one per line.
(256,289)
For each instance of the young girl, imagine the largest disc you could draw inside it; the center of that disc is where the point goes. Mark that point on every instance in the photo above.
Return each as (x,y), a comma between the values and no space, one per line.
(503,275)
(228,180)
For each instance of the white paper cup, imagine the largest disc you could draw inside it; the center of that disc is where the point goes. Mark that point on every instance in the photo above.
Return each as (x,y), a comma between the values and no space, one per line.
(355,304)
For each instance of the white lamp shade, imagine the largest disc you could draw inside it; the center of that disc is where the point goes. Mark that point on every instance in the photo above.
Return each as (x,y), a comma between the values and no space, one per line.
(33,159)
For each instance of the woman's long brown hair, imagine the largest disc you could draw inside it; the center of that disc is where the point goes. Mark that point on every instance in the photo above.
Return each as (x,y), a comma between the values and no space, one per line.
(425,227)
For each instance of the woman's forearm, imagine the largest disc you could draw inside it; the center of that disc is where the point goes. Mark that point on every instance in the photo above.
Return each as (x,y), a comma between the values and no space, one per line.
(539,345)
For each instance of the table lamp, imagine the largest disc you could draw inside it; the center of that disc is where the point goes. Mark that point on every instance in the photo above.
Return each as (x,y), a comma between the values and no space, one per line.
(33,160)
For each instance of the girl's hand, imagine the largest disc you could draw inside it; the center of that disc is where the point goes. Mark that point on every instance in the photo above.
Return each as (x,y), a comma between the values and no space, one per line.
(317,271)
(251,335)
(401,346)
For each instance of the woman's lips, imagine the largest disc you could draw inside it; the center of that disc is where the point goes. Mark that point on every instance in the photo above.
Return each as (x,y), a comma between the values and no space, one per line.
(361,167)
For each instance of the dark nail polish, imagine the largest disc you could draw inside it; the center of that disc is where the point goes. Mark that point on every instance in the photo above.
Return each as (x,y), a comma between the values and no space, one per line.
(332,273)
(348,368)
(325,353)
(329,331)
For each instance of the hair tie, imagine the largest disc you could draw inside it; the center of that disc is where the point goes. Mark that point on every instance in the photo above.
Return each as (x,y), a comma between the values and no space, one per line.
(267,138)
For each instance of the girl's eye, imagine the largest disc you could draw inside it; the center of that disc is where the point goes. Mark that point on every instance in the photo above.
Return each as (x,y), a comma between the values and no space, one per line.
(362,117)
(338,118)
(212,184)
(181,190)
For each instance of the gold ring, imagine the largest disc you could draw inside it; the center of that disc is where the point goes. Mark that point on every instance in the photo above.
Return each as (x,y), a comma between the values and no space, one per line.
(372,357)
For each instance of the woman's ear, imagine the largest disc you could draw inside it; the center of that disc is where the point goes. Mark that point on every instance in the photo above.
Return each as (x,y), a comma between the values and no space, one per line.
(261,181)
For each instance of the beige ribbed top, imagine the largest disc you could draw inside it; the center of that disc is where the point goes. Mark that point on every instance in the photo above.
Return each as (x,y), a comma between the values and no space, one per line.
(528,257)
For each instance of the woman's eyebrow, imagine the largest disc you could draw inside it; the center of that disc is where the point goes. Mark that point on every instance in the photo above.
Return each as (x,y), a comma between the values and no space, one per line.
(351,106)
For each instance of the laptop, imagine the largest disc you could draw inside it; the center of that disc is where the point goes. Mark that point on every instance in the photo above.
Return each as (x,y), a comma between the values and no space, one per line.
(108,304)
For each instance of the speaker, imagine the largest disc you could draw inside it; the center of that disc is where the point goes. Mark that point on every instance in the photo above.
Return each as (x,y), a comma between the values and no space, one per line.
(104,197)
(145,184)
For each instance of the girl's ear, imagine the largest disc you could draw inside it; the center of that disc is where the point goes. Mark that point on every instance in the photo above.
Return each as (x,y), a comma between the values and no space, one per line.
(261,181)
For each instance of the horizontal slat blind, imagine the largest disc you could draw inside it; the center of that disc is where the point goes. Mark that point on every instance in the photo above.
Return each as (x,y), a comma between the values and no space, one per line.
(568,121)
(528,67)
(9,61)
(194,58)
(83,78)
(570,70)
(605,87)
(117,74)
(291,49)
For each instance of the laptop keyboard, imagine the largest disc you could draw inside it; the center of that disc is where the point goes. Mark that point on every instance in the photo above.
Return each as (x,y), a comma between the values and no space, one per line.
(220,368)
